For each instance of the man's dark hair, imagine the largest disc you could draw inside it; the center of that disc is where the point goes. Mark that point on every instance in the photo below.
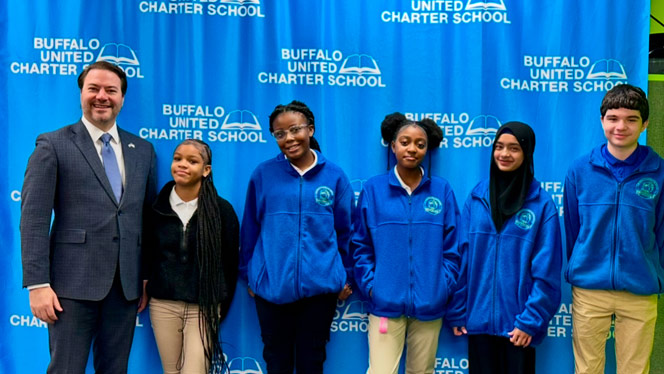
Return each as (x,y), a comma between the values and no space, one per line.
(104,65)
(628,97)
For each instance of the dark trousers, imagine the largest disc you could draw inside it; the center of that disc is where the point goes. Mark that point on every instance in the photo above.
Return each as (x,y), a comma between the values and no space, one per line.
(295,334)
(490,354)
(110,322)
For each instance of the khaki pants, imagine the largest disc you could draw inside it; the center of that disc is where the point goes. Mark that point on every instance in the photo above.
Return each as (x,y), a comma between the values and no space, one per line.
(420,337)
(635,317)
(176,330)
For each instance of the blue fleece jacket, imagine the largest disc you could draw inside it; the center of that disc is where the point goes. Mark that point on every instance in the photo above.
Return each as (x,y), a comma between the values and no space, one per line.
(509,278)
(405,247)
(615,230)
(296,230)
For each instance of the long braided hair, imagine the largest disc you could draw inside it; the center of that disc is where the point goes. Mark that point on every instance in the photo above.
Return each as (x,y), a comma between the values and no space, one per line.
(212,288)
(298,107)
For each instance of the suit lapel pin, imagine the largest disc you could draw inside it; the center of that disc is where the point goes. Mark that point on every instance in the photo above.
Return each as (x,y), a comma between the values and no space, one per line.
(131,145)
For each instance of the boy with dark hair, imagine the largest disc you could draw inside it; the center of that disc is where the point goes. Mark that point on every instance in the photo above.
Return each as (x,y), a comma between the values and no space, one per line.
(614,226)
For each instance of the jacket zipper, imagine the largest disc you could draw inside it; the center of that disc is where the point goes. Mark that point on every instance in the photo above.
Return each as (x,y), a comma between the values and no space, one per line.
(183,240)
(615,236)
(495,263)
(495,288)
(409,307)
(614,242)
(183,233)
(298,252)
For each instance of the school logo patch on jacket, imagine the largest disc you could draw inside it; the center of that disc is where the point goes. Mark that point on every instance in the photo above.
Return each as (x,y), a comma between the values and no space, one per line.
(647,188)
(525,218)
(324,196)
(432,205)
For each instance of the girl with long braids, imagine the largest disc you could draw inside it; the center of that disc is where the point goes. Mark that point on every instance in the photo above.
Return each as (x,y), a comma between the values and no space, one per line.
(405,250)
(295,233)
(509,286)
(192,244)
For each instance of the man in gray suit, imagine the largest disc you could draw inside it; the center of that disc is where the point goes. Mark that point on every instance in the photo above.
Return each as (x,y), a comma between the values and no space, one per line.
(83,270)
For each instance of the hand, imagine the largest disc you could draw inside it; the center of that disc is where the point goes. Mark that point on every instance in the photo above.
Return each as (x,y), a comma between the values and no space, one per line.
(143,301)
(519,338)
(346,292)
(251,293)
(44,303)
(458,331)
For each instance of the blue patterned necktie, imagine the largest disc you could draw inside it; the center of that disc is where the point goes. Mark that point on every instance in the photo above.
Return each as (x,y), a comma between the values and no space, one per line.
(111,165)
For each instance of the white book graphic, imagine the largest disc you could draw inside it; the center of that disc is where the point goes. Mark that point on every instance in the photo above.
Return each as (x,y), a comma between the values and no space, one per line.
(241,120)
(244,365)
(607,69)
(485,5)
(483,125)
(356,310)
(359,64)
(118,54)
(240,2)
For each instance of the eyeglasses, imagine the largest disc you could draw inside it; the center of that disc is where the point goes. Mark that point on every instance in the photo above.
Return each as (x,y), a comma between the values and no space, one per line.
(293,130)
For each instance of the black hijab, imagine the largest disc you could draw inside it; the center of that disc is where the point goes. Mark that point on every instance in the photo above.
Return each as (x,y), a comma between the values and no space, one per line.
(508,190)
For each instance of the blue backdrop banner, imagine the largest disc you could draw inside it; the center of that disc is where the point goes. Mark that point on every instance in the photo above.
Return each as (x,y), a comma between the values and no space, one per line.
(215,69)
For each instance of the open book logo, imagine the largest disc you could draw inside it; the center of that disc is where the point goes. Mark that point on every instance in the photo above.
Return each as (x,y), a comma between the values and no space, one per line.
(607,69)
(119,54)
(240,2)
(241,120)
(359,64)
(355,310)
(485,5)
(244,365)
(483,125)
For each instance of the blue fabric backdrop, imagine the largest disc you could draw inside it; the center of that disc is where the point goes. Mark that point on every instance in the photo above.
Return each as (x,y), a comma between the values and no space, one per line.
(215,69)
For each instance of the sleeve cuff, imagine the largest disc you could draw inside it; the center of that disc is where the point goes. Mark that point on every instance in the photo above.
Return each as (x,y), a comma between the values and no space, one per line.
(35,286)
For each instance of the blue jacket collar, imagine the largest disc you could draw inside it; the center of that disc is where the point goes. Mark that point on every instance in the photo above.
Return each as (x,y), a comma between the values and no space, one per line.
(283,162)
(394,181)
(649,164)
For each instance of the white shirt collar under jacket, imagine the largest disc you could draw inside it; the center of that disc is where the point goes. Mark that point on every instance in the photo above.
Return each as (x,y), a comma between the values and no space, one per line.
(404,185)
(183,209)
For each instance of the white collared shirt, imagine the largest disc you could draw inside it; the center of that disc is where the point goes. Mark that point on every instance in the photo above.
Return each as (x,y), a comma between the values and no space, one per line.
(302,172)
(404,185)
(184,209)
(96,133)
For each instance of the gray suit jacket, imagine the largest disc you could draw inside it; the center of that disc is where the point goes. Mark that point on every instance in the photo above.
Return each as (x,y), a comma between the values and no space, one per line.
(91,233)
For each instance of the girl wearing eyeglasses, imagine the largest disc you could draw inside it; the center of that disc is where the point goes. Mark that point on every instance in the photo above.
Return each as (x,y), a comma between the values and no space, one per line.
(294,244)
(405,250)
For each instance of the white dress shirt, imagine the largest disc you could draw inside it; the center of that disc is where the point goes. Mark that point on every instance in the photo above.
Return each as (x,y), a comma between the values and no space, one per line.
(96,133)
(184,209)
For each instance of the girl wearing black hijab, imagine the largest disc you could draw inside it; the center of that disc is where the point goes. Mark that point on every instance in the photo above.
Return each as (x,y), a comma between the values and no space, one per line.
(511,259)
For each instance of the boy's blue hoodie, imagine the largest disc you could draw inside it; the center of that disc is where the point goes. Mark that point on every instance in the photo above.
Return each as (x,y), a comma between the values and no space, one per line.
(296,230)
(509,278)
(405,247)
(615,230)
